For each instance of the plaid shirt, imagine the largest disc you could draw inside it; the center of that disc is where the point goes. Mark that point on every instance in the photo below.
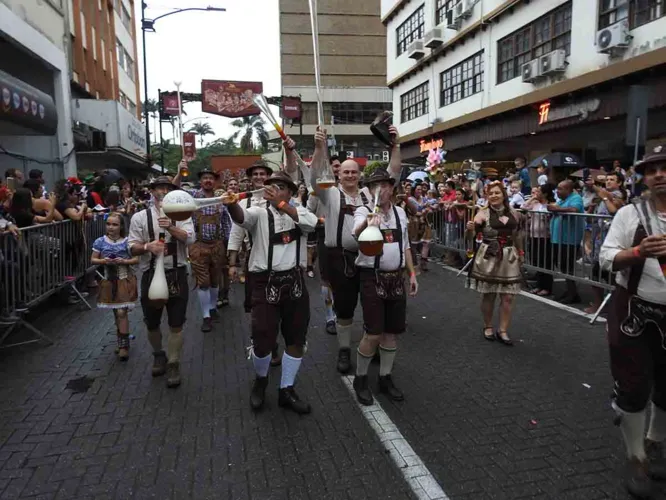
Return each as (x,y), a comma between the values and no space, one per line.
(209,231)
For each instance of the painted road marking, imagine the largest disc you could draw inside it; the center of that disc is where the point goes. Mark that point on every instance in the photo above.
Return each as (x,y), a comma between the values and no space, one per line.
(417,475)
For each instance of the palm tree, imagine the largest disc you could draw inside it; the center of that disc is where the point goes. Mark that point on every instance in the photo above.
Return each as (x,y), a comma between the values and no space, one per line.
(250,126)
(201,129)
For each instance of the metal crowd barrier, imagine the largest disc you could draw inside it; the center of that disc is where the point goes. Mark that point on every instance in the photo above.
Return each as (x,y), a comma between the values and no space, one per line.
(43,260)
(572,253)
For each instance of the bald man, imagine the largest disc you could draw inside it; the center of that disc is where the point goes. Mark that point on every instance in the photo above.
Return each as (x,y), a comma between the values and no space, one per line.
(567,232)
(338,205)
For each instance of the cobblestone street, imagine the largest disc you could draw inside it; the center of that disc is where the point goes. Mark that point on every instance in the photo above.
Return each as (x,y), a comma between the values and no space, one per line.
(488,422)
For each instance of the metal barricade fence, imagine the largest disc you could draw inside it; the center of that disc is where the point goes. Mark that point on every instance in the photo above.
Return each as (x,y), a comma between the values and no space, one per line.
(43,260)
(564,245)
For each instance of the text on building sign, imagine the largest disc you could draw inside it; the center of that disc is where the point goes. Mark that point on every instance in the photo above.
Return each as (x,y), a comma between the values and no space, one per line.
(580,110)
(433,144)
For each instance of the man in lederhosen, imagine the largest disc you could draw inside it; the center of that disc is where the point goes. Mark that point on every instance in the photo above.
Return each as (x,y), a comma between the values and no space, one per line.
(339,204)
(208,253)
(279,297)
(635,248)
(149,236)
(258,172)
(383,294)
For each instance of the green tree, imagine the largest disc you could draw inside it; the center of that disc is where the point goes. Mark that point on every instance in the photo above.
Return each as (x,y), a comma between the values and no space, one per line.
(251,127)
(171,154)
(202,129)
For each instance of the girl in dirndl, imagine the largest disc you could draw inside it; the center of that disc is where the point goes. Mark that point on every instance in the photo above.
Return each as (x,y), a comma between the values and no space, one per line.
(118,290)
(497,264)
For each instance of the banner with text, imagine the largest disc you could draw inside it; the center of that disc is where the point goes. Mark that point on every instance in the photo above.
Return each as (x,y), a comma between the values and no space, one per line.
(230,99)
(190,145)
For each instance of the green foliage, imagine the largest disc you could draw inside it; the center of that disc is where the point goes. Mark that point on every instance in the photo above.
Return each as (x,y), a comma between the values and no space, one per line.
(371,167)
(252,128)
(202,129)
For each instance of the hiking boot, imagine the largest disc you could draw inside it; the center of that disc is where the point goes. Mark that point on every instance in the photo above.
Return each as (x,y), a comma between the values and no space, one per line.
(344,360)
(387,387)
(637,481)
(207,325)
(656,463)
(362,390)
(159,363)
(214,315)
(123,354)
(258,394)
(289,399)
(173,374)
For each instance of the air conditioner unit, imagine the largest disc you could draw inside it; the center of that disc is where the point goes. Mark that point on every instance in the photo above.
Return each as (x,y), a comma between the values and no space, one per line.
(530,71)
(553,62)
(614,38)
(385,156)
(415,49)
(462,10)
(451,21)
(433,38)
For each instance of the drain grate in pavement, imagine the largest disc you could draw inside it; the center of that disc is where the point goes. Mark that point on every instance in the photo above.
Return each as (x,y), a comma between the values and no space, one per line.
(81,384)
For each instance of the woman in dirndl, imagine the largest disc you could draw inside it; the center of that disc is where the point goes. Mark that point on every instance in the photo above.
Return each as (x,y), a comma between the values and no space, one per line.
(419,228)
(497,263)
(118,290)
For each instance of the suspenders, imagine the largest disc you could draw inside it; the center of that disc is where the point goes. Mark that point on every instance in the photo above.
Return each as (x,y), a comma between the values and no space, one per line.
(282,238)
(344,209)
(390,236)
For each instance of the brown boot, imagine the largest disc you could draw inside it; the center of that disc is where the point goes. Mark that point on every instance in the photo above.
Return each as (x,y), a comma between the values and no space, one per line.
(173,374)
(123,346)
(159,363)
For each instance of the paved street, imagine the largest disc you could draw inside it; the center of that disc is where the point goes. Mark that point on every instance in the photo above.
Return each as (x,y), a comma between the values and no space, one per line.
(489,422)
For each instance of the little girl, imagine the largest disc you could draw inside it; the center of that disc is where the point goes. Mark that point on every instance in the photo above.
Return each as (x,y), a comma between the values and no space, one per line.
(118,290)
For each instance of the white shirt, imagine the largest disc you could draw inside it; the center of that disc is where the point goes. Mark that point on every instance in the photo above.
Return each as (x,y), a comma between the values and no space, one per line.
(138,234)
(238,234)
(330,202)
(255,221)
(390,259)
(542,180)
(516,200)
(652,285)
(315,206)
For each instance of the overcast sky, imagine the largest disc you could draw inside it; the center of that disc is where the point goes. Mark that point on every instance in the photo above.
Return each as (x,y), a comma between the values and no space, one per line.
(239,44)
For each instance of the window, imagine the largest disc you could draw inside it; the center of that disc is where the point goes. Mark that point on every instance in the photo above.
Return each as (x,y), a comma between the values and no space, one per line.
(84,38)
(123,99)
(103,54)
(414,103)
(125,61)
(120,54)
(94,43)
(443,6)
(359,113)
(410,30)
(548,33)
(125,17)
(131,106)
(129,66)
(462,80)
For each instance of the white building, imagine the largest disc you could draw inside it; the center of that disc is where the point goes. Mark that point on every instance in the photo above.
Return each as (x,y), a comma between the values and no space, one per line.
(35,114)
(493,79)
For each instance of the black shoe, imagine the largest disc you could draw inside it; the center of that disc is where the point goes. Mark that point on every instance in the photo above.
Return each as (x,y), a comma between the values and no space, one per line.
(207,325)
(214,315)
(362,390)
(344,360)
(258,394)
(492,334)
(656,462)
(387,387)
(330,328)
(289,399)
(503,337)
(637,481)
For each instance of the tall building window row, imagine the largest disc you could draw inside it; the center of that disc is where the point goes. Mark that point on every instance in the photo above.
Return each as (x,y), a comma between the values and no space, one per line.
(547,33)
(462,80)
(638,12)
(412,29)
(357,113)
(441,8)
(414,103)
(124,60)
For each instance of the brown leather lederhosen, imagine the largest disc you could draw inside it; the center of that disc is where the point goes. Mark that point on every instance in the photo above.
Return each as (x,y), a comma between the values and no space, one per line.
(343,275)
(279,297)
(208,257)
(637,338)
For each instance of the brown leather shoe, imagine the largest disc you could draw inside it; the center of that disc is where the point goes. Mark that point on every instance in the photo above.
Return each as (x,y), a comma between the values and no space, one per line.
(159,363)
(173,374)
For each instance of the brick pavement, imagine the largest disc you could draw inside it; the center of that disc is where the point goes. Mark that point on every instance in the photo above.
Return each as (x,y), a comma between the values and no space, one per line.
(468,413)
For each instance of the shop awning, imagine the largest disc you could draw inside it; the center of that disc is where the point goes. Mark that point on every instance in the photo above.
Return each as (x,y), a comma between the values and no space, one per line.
(28,107)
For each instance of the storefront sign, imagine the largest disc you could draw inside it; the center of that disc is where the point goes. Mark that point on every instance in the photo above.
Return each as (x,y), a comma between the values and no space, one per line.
(189,146)
(580,110)
(230,99)
(426,146)
(291,108)
(26,106)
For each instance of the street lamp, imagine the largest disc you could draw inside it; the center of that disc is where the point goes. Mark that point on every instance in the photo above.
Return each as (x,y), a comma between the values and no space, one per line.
(149,25)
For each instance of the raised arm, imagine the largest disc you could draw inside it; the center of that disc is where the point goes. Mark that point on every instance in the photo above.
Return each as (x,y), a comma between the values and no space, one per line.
(320,155)
(395,165)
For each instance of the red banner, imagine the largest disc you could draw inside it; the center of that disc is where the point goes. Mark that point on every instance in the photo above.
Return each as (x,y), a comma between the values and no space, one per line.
(190,145)
(170,104)
(291,108)
(230,99)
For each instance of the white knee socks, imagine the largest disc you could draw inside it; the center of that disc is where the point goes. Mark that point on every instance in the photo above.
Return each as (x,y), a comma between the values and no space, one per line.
(657,429)
(204,300)
(632,426)
(290,367)
(386,359)
(261,365)
(362,363)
